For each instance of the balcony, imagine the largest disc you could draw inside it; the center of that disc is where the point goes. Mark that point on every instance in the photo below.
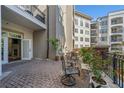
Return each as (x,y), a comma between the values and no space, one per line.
(93,32)
(117,20)
(25,15)
(116,47)
(117,30)
(94,26)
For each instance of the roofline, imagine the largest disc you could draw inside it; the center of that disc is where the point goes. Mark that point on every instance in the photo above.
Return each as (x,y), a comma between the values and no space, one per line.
(116,11)
(102,17)
(83,15)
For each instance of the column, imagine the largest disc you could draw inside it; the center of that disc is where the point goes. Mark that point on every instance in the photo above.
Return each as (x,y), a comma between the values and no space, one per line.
(0,45)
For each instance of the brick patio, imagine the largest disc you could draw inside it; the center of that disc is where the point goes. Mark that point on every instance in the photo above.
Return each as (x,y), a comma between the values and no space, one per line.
(38,74)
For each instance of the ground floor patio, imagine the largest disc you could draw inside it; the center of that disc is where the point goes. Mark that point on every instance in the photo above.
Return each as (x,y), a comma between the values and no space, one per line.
(38,74)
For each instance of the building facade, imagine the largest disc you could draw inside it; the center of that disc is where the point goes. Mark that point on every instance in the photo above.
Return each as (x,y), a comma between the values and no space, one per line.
(103,31)
(27,29)
(116,31)
(110,31)
(94,33)
(82,30)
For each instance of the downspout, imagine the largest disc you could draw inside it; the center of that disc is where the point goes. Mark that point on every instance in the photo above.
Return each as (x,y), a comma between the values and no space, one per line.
(73,24)
(47,31)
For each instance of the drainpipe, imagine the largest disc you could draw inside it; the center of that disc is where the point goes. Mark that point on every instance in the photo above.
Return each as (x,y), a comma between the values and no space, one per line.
(0,45)
(73,23)
(47,31)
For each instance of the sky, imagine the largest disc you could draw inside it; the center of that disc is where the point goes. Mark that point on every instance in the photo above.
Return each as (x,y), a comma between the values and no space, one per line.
(96,11)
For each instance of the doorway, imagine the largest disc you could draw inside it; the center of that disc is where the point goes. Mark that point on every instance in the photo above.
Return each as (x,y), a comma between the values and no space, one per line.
(14,49)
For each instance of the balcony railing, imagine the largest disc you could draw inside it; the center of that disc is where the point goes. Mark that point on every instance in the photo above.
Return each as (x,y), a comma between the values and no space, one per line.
(117,31)
(113,66)
(116,40)
(93,34)
(116,49)
(118,20)
(33,10)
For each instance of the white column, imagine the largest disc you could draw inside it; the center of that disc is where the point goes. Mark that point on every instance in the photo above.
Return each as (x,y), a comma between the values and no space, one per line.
(0,45)
(5,45)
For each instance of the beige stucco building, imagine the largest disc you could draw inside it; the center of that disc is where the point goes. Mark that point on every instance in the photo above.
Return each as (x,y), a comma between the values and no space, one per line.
(82,30)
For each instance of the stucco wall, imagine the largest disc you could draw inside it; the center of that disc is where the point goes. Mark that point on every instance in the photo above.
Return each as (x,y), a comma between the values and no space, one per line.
(40,44)
(84,35)
(28,33)
(11,27)
(69,27)
(52,29)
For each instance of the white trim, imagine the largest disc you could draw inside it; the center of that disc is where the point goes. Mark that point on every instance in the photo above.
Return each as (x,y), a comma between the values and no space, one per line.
(5,50)
(30,49)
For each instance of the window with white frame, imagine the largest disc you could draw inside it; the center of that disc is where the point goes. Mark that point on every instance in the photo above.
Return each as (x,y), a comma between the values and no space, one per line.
(76,30)
(76,45)
(86,45)
(76,38)
(81,38)
(81,31)
(81,46)
(81,22)
(104,38)
(76,21)
(87,24)
(87,40)
(87,32)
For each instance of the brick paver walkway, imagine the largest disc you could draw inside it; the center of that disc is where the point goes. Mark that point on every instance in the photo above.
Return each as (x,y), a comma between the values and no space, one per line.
(37,73)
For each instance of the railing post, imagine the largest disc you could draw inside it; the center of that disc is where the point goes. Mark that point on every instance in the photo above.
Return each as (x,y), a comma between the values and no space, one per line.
(114,60)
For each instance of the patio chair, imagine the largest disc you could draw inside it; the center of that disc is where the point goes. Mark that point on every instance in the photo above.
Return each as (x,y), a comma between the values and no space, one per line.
(68,79)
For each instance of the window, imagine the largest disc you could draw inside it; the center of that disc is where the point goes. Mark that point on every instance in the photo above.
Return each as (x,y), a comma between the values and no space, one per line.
(103,30)
(117,20)
(93,26)
(81,22)
(76,30)
(93,32)
(93,40)
(76,38)
(81,38)
(81,46)
(87,25)
(81,31)
(76,46)
(103,38)
(103,23)
(86,45)
(86,39)
(86,32)
(76,21)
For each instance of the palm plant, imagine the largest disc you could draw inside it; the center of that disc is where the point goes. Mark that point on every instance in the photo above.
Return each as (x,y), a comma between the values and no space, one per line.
(55,43)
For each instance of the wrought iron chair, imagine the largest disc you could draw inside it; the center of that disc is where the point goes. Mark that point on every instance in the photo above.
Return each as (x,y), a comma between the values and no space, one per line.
(68,79)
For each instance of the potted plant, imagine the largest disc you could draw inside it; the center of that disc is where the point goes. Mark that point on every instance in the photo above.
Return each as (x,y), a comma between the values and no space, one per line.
(93,59)
(96,79)
(86,56)
(55,44)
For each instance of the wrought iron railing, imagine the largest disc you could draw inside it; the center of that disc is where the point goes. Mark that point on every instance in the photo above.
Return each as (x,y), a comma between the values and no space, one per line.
(113,66)
(33,10)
